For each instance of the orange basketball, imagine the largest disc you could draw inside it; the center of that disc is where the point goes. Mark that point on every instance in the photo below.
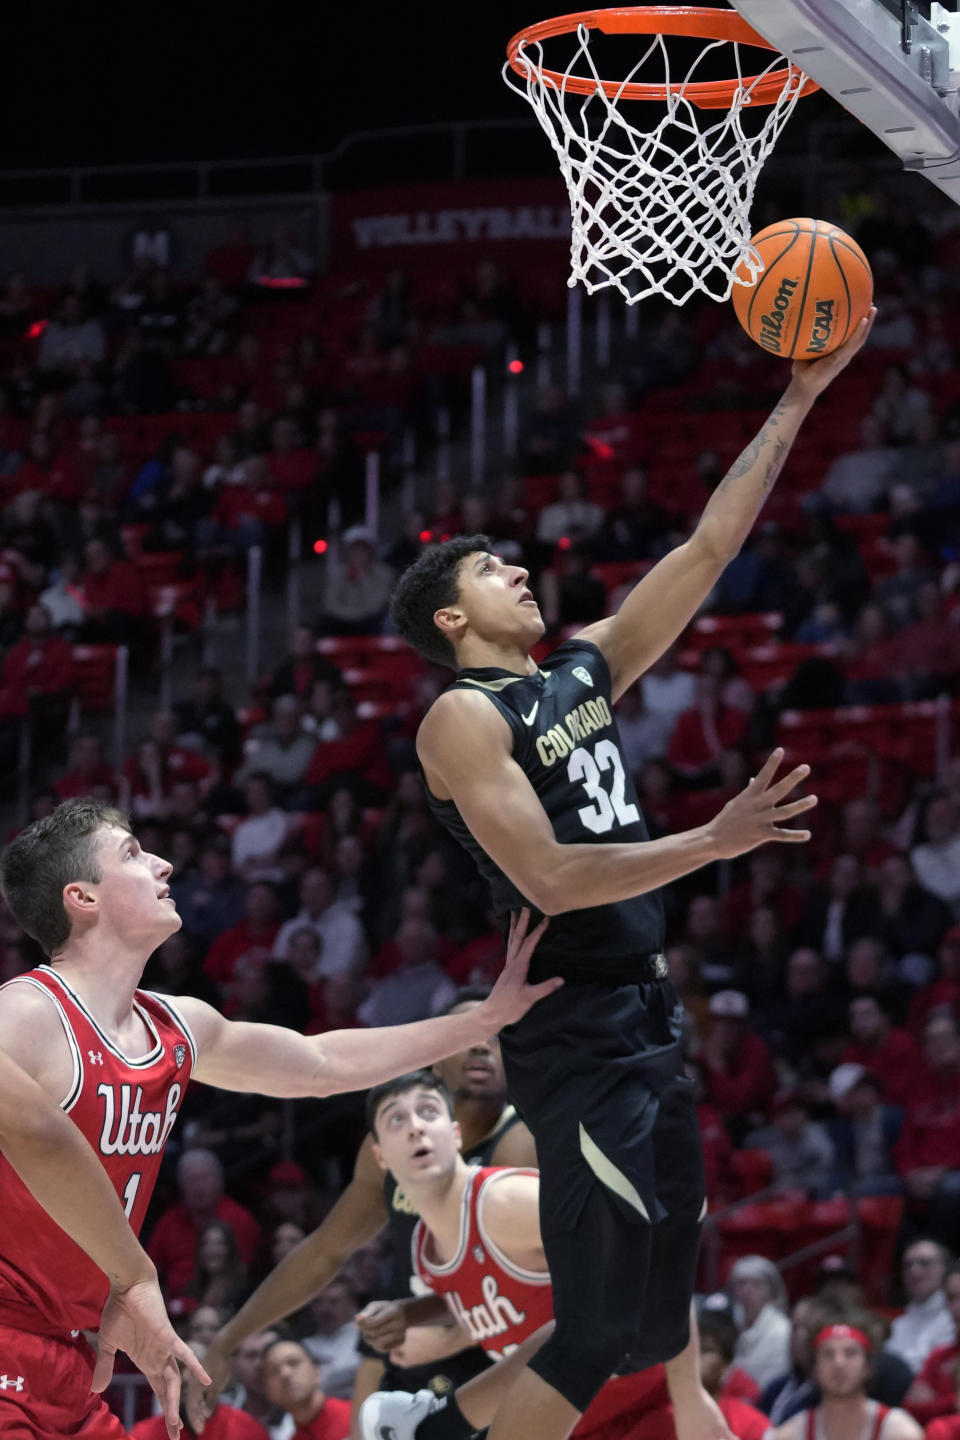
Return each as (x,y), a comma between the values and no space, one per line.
(815,288)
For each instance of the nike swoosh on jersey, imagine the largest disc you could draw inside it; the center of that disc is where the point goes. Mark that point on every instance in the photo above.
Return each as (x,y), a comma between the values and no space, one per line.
(529,719)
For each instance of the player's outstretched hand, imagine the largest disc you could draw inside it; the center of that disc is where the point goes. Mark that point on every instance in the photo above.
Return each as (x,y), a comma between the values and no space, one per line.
(135,1321)
(203,1394)
(816,375)
(383,1324)
(758,812)
(512,997)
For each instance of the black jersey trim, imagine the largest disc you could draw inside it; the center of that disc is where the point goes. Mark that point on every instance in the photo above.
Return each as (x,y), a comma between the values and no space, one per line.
(143,1061)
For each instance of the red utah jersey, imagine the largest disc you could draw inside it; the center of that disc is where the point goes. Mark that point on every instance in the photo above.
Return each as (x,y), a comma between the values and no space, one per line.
(126,1109)
(498,1302)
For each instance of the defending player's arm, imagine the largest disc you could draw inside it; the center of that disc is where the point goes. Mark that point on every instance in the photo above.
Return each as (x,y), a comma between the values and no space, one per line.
(505,816)
(357,1217)
(64,1175)
(271,1060)
(384,1323)
(664,602)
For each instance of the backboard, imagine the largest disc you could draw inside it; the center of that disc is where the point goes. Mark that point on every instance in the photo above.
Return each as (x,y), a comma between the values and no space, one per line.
(887,64)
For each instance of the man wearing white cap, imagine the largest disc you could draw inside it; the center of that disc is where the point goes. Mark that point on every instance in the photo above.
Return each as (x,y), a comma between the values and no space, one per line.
(358,586)
(737,1064)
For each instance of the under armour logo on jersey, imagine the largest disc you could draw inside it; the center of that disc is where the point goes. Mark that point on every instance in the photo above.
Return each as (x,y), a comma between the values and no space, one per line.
(96,1057)
(179,1054)
(7,1382)
(478,1254)
(582,675)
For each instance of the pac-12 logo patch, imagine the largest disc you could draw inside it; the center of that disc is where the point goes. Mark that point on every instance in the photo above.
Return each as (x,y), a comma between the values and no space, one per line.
(583,675)
(179,1054)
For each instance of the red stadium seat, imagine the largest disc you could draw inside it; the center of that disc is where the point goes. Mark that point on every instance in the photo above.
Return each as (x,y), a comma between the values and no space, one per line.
(736,632)
(752,1170)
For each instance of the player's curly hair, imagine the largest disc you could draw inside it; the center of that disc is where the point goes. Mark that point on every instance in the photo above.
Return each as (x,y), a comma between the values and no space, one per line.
(426,586)
(49,855)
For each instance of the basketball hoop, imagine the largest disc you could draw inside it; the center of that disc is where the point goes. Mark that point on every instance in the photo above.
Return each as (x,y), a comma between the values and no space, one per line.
(661,209)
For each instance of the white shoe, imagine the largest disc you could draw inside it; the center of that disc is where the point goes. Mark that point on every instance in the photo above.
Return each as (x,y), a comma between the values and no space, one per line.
(395,1414)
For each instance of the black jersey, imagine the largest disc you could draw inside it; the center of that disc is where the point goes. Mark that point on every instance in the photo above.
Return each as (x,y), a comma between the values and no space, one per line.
(403,1218)
(566,742)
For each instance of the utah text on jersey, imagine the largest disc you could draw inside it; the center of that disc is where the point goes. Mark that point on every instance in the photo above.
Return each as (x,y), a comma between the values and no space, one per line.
(495,1315)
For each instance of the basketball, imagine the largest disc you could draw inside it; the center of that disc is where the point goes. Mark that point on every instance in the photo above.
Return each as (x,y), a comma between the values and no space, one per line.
(815,288)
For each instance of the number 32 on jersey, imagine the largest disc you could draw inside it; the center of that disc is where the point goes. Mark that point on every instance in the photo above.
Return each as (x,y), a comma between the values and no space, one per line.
(610,806)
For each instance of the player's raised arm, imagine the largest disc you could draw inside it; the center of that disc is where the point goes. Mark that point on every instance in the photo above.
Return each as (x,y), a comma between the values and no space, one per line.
(664,602)
(506,818)
(63,1174)
(270,1060)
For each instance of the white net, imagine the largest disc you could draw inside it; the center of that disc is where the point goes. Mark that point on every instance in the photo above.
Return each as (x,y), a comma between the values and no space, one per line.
(662,210)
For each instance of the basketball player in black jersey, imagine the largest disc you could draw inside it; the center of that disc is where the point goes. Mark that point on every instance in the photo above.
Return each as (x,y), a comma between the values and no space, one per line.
(493,1134)
(522,763)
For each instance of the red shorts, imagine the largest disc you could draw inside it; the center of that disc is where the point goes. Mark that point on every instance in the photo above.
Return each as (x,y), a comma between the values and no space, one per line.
(45,1390)
(628,1408)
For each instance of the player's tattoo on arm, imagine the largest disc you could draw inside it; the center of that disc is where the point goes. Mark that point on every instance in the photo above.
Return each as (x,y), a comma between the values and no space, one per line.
(754,452)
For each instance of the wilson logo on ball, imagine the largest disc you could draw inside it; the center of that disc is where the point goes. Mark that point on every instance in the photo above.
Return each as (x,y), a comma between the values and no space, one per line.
(771,324)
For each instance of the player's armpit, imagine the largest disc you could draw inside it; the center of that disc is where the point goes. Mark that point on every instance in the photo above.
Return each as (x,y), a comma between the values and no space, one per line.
(657,610)
(466,743)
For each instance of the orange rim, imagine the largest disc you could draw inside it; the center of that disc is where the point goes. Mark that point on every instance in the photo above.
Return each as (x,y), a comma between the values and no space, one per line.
(695,20)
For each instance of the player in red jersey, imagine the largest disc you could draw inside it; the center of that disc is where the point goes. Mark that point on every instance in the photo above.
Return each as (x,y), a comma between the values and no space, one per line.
(117,1060)
(61,1172)
(478,1254)
(841,1369)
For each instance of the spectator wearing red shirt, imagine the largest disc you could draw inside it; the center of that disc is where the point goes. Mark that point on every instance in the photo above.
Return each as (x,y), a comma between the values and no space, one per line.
(244,513)
(48,471)
(946,1425)
(302,667)
(88,769)
(173,1244)
(113,598)
(767,885)
(882,1047)
(738,1069)
(928,1151)
(292,1381)
(943,993)
(703,732)
(292,466)
(252,937)
(717,1150)
(224,1424)
(356,759)
(718,1338)
(934,1390)
(38,670)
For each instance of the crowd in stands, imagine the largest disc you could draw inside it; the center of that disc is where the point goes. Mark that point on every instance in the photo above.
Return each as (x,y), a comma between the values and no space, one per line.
(152,431)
